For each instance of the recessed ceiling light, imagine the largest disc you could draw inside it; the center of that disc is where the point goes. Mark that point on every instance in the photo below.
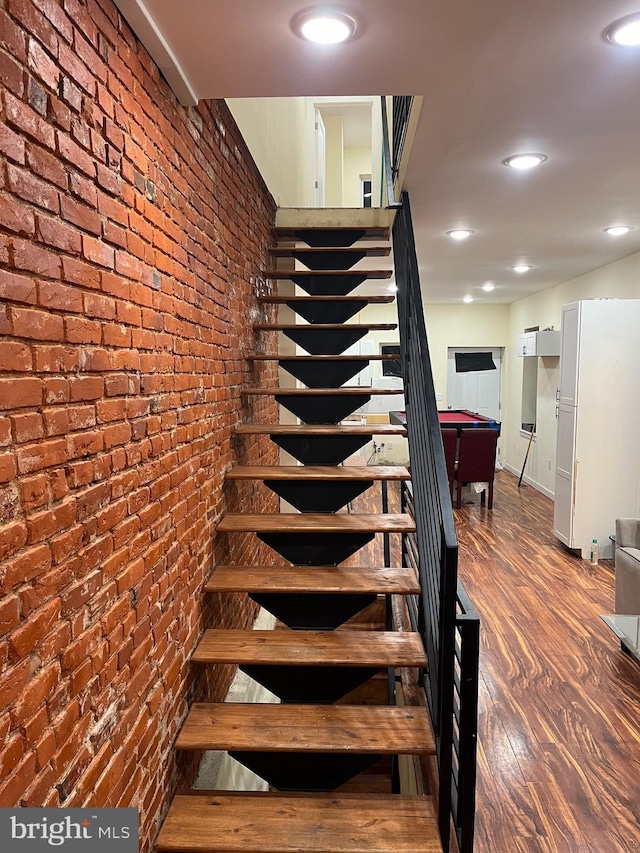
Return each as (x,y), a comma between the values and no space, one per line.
(324,26)
(460,233)
(488,286)
(618,230)
(525,161)
(521,268)
(468,299)
(625,31)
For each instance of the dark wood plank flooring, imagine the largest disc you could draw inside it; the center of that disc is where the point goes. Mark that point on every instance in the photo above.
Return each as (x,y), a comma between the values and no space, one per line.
(559,717)
(559,708)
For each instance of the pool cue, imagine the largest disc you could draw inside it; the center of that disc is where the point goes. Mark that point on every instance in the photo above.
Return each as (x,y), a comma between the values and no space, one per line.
(526,456)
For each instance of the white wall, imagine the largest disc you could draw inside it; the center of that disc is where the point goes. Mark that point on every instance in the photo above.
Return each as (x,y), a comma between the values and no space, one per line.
(619,279)
(334,160)
(275,130)
(357,161)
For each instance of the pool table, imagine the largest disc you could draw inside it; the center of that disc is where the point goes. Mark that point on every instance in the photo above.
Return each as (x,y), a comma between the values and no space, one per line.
(453,419)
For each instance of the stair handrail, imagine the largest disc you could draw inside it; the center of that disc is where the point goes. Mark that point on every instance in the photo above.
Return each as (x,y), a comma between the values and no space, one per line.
(442,612)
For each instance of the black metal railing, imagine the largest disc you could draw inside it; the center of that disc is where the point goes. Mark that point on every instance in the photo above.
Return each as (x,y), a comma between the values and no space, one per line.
(465,712)
(441,612)
(393,142)
(400,112)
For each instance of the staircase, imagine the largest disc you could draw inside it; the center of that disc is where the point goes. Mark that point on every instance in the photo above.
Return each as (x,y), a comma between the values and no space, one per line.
(329,751)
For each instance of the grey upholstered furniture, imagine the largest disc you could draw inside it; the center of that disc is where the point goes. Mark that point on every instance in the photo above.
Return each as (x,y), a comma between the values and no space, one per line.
(627,562)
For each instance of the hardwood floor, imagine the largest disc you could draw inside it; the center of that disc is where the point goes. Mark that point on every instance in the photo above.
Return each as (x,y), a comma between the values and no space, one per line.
(559,707)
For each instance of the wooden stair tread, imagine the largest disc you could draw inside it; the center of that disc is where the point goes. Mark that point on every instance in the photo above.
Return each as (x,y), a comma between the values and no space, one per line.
(228,822)
(325,327)
(318,472)
(320,429)
(310,579)
(321,358)
(380,649)
(307,273)
(314,728)
(312,522)
(372,232)
(383,299)
(342,391)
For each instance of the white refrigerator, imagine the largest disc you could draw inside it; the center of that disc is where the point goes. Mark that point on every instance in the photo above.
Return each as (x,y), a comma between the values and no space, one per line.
(598,430)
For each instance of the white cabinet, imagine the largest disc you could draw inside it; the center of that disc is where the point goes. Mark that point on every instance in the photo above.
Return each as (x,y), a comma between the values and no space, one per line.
(569,354)
(542,343)
(527,344)
(598,450)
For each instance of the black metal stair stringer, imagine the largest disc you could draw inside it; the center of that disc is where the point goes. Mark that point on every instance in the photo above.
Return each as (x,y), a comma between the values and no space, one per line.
(325,341)
(318,495)
(313,611)
(320,449)
(322,260)
(328,285)
(319,237)
(322,409)
(323,374)
(326,310)
(316,549)
(320,685)
(305,771)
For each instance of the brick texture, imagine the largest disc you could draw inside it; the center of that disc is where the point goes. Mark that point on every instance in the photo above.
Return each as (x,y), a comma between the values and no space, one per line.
(131,230)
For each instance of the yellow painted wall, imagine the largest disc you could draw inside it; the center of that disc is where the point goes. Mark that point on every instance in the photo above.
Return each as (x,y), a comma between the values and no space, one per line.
(499,325)
(275,130)
(462,326)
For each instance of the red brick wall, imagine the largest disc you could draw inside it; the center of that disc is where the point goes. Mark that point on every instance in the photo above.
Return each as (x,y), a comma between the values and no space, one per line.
(130,232)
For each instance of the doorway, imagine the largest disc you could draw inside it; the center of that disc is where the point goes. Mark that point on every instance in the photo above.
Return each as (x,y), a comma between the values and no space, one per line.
(476,390)
(320,146)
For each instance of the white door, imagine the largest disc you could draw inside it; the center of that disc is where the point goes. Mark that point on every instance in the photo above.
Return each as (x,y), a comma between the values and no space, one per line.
(364,347)
(565,462)
(477,391)
(569,354)
(320,160)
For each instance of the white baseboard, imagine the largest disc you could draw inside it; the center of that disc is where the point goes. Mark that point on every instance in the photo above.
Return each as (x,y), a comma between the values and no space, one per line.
(537,486)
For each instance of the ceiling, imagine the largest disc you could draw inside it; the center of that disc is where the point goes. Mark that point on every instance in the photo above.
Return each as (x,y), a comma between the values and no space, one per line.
(498,77)
(356,123)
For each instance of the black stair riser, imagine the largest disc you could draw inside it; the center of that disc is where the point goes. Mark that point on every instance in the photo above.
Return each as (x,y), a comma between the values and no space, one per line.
(326,311)
(322,409)
(313,612)
(318,374)
(328,285)
(330,260)
(321,449)
(326,341)
(318,495)
(321,685)
(316,549)
(308,771)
